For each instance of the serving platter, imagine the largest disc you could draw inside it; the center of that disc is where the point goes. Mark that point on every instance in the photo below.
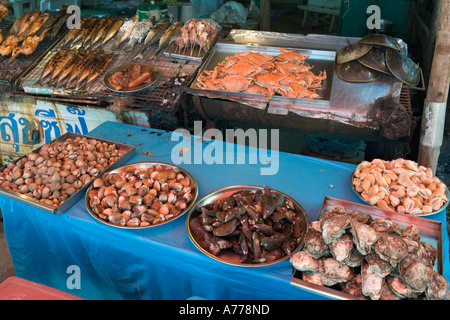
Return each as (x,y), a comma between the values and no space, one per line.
(228,256)
(144,166)
(443,208)
(127,152)
(155,75)
(430,232)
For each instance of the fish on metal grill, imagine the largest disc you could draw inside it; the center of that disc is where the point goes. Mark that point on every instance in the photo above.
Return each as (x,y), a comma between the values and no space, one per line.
(125,31)
(171,32)
(154,35)
(139,32)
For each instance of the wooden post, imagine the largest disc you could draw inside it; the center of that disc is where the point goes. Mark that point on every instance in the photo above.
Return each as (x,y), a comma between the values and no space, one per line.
(264,16)
(433,119)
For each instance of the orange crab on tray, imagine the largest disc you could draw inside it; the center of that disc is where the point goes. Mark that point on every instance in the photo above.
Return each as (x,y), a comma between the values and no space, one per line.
(268,71)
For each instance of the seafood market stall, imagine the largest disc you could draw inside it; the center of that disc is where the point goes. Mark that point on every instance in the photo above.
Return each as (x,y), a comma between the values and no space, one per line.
(342,108)
(80,69)
(93,259)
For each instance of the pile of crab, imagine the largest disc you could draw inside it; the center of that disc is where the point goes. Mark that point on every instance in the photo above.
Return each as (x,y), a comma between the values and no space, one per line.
(253,72)
(369,258)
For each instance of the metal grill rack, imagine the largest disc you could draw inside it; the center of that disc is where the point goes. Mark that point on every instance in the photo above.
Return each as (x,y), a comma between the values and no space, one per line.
(10,72)
(156,95)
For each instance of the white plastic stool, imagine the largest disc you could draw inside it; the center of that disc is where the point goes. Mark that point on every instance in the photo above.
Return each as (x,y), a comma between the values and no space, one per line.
(22,6)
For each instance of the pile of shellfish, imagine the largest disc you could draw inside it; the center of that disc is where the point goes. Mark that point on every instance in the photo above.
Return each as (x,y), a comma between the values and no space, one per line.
(59,169)
(259,226)
(141,196)
(369,258)
(399,185)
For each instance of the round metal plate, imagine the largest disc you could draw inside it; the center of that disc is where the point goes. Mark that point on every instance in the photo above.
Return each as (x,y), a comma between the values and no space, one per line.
(380,39)
(354,71)
(154,77)
(419,215)
(375,59)
(228,256)
(352,52)
(143,165)
(403,68)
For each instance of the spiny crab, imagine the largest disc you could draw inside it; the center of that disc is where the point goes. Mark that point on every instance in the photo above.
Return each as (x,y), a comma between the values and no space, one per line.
(286,74)
(369,258)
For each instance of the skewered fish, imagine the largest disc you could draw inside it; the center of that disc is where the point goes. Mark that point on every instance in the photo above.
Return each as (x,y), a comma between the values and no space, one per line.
(101,30)
(167,36)
(82,65)
(51,64)
(139,32)
(70,36)
(97,69)
(153,35)
(92,29)
(28,46)
(87,69)
(61,18)
(112,31)
(61,65)
(125,30)
(81,54)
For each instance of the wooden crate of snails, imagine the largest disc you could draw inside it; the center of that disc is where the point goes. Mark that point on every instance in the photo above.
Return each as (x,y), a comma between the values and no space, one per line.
(56,175)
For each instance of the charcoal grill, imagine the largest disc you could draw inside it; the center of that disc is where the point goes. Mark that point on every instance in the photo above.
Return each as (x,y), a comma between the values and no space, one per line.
(10,72)
(164,94)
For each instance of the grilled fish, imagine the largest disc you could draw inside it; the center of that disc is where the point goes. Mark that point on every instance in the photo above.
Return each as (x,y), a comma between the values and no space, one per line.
(81,54)
(153,35)
(112,31)
(51,64)
(125,31)
(87,69)
(61,18)
(97,69)
(167,36)
(70,36)
(61,65)
(101,31)
(139,32)
(82,65)
(91,30)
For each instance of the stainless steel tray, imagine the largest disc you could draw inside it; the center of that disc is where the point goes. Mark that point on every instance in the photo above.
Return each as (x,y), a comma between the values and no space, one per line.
(130,151)
(443,208)
(430,232)
(144,165)
(320,59)
(228,256)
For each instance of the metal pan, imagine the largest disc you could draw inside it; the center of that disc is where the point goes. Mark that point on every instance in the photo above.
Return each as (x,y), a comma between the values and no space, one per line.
(129,151)
(154,77)
(321,60)
(420,215)
(228,256)
(430,232)
(142,165)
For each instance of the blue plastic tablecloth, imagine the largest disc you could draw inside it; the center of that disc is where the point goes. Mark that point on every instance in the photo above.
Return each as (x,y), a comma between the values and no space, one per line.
(162,262)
